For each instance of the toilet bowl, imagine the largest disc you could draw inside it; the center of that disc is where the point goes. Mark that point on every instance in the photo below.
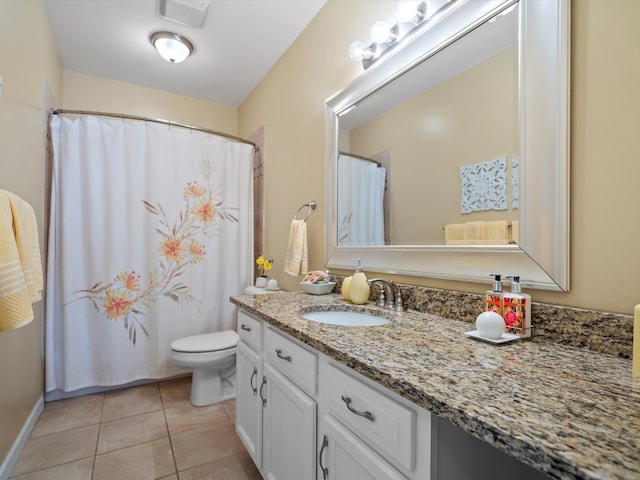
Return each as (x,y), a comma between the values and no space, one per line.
(212,357)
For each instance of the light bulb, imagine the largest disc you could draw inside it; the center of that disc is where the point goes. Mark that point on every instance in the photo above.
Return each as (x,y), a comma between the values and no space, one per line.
(356,51)
(380,32)
(407,10)
(171,50)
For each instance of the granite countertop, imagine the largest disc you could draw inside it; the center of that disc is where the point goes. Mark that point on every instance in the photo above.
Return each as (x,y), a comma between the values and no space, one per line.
(569,412)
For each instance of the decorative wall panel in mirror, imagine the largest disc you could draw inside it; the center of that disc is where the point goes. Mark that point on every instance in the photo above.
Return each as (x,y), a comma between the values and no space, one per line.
(449,158)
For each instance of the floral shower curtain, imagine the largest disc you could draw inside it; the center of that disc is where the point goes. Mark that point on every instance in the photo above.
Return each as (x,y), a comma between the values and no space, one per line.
(360,201)
(150,233)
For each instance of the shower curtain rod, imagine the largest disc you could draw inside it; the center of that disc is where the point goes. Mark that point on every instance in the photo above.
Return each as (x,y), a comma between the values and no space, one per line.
(61,111)
(360,157)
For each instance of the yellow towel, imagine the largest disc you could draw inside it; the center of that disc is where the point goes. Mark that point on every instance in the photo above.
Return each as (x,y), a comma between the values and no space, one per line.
(296,260)
(515,230)
(20,267)
(496,230)
(26,235)
(453,232)
(479,242)
(472,231)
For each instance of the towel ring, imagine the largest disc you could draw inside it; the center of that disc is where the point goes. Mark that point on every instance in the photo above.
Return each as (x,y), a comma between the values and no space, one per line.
(310,205)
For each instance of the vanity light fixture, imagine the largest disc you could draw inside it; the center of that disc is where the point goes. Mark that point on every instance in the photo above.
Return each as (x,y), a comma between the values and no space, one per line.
(411,15)
(411,11)
(172,47)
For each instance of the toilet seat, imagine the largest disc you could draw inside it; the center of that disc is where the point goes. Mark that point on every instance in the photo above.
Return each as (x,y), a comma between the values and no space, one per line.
(206,342)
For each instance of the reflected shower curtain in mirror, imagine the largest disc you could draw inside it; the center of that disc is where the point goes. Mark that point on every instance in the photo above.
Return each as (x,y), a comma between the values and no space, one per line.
(360,201)
(150,233)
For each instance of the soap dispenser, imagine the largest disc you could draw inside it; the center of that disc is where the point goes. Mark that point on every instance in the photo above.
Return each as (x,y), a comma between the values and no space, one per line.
(493,298)
(359,288)
(345,287)
(517,310)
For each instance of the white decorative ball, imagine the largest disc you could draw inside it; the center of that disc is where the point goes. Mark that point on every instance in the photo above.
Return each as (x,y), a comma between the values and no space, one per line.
(272,284)
(490,325)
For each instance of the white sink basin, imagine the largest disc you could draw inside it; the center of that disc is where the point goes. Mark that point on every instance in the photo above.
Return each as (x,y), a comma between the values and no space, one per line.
(346,319)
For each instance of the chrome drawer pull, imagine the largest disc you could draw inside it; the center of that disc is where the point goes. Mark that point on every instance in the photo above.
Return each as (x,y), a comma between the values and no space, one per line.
(367,415)
(283,357)
(245,328)
(255,372)
(264,382)
(325,470)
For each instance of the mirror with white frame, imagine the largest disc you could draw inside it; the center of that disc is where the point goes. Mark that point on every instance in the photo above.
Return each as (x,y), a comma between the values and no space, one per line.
(480,94)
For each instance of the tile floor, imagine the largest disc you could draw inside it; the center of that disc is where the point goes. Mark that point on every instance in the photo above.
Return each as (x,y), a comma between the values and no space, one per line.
(146,432)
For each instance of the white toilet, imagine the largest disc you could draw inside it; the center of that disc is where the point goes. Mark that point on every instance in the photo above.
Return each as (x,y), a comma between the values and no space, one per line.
(212,357)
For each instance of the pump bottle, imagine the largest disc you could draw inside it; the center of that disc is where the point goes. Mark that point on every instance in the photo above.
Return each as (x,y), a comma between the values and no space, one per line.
(345,287)
(359,288)
(493,298)
(517,310)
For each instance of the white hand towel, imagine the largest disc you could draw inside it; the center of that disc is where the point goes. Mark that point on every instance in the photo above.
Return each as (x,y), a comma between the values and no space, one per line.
(296,260)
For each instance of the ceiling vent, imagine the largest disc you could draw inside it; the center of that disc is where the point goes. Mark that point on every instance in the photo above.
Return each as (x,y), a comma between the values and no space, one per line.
(186,12)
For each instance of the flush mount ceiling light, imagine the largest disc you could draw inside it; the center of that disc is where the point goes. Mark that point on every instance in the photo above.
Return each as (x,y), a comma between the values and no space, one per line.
(172,47)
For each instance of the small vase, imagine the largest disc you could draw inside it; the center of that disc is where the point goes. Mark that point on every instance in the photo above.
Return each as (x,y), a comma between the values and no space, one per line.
(261,282)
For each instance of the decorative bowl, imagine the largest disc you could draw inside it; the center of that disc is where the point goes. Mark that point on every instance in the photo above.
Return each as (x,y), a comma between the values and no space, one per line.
(318,288)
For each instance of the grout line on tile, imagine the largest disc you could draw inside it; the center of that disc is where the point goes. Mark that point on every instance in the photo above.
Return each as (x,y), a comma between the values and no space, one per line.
(166,425)
(30,472)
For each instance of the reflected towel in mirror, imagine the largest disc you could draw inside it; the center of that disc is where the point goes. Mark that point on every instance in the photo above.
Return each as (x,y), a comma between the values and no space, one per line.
(453,232)
(495,230)
(472,231)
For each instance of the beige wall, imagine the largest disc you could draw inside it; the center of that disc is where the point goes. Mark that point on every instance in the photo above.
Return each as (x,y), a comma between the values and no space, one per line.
(85,92)
(605,161)
(27,60)
(289,103)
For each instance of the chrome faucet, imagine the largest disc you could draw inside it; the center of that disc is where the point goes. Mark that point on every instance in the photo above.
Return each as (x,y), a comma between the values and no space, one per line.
(387,298)
(390,294)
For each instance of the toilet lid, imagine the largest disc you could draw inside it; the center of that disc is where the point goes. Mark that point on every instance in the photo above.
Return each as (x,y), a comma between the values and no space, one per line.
(207,342)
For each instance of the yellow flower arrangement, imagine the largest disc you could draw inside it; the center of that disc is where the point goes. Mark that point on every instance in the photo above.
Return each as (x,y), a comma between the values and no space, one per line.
(264,265)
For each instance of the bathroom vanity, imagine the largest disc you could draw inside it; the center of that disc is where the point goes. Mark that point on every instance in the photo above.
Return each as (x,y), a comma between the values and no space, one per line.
(295,404)
(416,399)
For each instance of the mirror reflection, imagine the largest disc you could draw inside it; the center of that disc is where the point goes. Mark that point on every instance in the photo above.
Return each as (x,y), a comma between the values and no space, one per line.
(504,167)
(433,157)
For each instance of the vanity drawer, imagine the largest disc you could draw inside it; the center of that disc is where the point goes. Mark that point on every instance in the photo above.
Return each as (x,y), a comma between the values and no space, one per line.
(294,361)
(387,426)
(250,330)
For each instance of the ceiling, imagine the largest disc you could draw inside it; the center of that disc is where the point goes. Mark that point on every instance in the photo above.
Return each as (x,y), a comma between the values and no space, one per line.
(237,46)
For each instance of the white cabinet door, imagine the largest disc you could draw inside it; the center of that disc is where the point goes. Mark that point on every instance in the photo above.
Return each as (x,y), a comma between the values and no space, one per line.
(383,423)
(343,456)
(248,400)
(289,430)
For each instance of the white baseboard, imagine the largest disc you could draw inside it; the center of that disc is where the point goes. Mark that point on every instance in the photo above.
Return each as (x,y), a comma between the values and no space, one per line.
(12,457)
